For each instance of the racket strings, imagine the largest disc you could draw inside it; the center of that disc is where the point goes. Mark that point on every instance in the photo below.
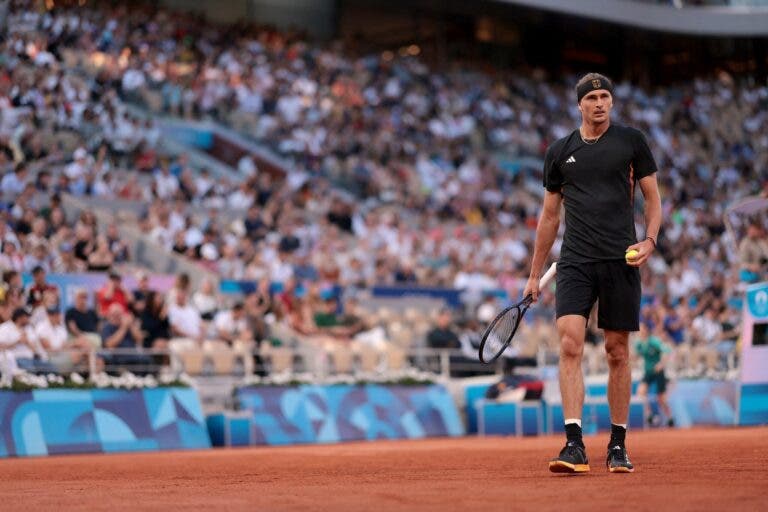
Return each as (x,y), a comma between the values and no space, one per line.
(500,334)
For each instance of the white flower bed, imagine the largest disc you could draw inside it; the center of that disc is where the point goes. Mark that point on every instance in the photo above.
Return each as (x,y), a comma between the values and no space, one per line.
(409,375)
(22,380)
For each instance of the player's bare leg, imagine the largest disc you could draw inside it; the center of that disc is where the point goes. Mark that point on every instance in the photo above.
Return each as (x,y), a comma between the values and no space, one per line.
(619,393)
(571,329)
(619,375)
(572,458)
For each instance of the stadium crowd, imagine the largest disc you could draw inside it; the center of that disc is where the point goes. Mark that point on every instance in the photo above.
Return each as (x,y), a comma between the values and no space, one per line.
(401,174)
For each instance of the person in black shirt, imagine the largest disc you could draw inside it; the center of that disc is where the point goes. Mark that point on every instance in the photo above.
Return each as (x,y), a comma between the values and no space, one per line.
(81,319)
(592,173)
(442,335)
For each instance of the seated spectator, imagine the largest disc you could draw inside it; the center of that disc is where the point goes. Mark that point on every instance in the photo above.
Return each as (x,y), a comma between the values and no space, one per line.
(442,335)
(82,321)
(706,333)
(65,352)
(206,300)
(232,326)
(11,258)
(65,262)
(21,346)
(154,322)
(101,258)
(112,293)
(185,320)
(117,246)
(181,284)
(11,293)
(753,254)
(38,287)
(258,305)
(122,331)
(39,257)
(155,325)
(142,291)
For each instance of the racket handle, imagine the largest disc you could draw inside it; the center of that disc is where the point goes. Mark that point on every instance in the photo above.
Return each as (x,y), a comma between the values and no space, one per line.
(548,275)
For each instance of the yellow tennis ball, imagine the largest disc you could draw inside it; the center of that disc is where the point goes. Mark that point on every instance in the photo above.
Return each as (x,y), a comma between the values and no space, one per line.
(631,255)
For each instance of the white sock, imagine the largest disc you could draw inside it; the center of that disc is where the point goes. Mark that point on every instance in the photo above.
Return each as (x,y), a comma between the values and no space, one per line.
(622,425)
(577,421)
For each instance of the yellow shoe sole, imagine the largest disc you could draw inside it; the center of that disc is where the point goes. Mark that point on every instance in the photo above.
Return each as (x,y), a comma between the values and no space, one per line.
(559,466)
(621,469)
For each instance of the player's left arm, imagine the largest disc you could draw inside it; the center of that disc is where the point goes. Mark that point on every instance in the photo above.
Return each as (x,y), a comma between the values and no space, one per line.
(650,188)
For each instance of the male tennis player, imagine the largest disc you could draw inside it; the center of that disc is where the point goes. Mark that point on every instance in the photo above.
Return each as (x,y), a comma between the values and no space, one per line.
(593,172)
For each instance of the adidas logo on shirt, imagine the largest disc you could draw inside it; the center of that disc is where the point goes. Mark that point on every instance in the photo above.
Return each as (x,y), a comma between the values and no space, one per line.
(570,160)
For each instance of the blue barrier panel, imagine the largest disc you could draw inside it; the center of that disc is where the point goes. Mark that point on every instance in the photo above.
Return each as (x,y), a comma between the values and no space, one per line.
(472,394)
(510,418)
(753,407)
(703,402)
(327,414)
(57,421)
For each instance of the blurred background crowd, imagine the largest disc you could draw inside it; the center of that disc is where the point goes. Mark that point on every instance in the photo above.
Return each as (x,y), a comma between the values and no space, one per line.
(399,174)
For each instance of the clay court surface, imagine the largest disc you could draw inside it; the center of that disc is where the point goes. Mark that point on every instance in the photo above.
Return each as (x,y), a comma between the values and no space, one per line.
(714,469)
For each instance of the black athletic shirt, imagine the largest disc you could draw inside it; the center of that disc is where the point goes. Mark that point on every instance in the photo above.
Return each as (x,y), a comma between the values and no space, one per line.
(597,182)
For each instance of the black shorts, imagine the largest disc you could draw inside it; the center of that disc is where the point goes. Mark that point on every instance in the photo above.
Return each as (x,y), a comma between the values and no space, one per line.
(613,284)
(657,378)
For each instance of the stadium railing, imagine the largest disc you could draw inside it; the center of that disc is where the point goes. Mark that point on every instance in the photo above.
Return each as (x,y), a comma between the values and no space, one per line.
(215,359)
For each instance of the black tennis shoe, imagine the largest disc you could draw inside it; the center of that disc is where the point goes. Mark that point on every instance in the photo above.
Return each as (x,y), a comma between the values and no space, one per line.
(572,459)
(618,460)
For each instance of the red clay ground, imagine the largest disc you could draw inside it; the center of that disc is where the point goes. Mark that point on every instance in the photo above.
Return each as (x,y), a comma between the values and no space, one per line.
(714,469)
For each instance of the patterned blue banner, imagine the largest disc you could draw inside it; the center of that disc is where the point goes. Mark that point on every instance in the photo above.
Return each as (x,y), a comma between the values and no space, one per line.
(327,414)
(54,421)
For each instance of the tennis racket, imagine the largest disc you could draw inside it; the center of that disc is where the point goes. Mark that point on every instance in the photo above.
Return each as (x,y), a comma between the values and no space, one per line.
(501,330)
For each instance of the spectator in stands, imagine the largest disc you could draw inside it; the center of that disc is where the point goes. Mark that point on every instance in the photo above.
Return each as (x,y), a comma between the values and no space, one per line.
(706,333)
(206,300)
(185,320)
(39,256)
(232,326)
(154,321)
(13,183)
(155,325)
(112,293)
(122,331)
(143,289)
(38,287)
(753,253)
(65,262)
(65,352)
(21,346)
(117,246)
(82,321)
(101,258)
(11,258)
(442,335)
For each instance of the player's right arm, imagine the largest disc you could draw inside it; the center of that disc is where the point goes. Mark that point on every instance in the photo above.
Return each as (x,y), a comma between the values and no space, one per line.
(546,232)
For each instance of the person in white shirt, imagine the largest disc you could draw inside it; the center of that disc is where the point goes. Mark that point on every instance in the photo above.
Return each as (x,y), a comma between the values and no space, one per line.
(77,170)
(64,352)
(184,318)
(232,326)
(19,346)
(166,184)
